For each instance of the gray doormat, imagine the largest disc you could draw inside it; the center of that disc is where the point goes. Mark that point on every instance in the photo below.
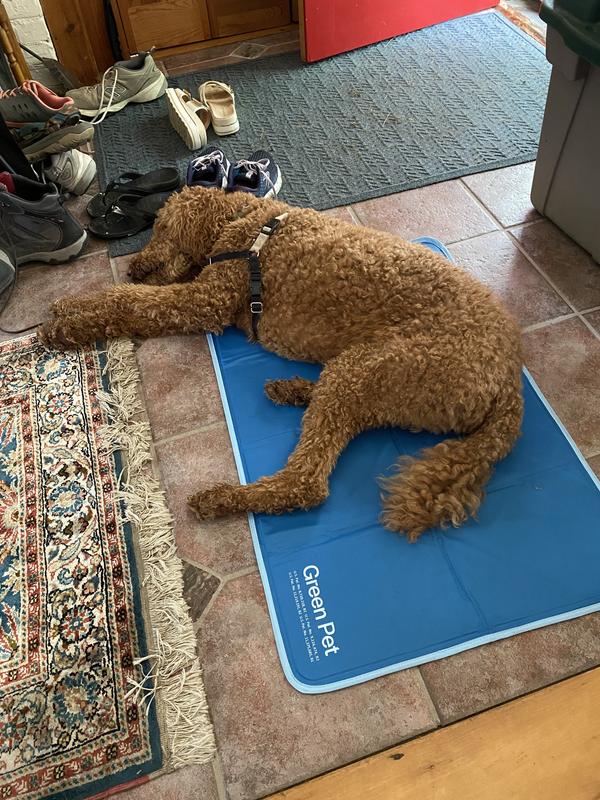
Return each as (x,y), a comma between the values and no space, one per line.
(461,97)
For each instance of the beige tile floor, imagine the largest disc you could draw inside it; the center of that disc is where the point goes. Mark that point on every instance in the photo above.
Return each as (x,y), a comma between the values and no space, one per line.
(270,736)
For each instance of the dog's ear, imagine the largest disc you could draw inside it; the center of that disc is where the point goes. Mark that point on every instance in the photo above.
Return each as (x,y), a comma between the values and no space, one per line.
(192,220)
(241,204)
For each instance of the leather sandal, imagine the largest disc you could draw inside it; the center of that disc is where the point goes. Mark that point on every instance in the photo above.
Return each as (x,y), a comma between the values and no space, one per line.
(221,101)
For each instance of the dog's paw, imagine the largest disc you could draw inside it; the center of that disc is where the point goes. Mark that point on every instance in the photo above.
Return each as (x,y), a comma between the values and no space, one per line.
(142,269)
(292,392)
(57,331)
(218,501)
(72,322)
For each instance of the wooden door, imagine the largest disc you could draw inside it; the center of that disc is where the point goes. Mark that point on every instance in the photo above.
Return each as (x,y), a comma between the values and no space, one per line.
(162,23)
(336,26)
(230,17)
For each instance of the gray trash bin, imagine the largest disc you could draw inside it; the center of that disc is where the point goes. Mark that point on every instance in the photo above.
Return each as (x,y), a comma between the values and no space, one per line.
(566,182)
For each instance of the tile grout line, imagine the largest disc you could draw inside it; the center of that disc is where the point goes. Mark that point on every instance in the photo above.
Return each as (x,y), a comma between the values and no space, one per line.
(590,327)
(222,583)
(33,267)
(527,224)
(536,326)
(207,608)
(177,436)
(355,218)
(471,238)
(357,214)
(481,205)
(431,702)
(113,269)
(202,567)
(241,573)
(219,777)
(488,233)
(98,252)
(548,280)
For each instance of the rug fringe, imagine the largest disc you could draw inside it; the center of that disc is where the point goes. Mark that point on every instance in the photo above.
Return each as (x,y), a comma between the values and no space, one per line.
(173,665)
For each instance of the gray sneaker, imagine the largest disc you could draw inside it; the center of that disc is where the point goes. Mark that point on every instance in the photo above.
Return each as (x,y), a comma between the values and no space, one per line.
(137,80)
(57,135)
(33,102)
(34,226)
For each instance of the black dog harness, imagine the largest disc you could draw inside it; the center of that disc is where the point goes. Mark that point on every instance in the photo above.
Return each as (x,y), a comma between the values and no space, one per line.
(253,257)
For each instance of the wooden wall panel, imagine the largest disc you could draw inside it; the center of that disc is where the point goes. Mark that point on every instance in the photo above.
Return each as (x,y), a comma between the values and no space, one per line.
(229,17)
(162,23)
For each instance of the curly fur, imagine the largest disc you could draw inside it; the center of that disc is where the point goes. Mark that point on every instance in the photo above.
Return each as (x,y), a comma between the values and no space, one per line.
(406,339)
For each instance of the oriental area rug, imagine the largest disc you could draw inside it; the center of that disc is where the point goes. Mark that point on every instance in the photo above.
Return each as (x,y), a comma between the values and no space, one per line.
(100,685)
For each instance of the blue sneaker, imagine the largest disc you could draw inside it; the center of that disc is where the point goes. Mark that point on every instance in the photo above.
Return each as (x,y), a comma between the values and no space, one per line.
(209,169)
(258,175)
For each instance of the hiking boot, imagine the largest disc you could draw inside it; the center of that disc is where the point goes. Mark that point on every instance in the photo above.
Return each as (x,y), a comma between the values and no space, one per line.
(259,175)
(34,226)
(209,169)
(33,102)
(137,80)
(72,171)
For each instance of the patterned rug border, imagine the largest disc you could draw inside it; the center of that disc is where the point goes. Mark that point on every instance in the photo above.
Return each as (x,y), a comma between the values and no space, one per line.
(173,675)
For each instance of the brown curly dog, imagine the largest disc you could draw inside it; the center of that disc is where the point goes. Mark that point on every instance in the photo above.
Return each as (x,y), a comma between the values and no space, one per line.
(406,338)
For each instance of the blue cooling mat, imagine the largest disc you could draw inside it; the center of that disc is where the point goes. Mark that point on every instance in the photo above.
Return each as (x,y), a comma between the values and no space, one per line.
(349,600)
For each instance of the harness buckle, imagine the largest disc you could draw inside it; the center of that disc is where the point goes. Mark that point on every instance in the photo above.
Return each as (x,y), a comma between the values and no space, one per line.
(256,307)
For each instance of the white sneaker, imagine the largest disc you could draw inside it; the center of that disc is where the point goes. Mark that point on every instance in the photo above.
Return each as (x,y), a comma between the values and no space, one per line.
(189,117)
(73,171)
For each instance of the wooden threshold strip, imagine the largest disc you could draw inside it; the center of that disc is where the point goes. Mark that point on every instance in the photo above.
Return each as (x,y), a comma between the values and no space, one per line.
(544,745)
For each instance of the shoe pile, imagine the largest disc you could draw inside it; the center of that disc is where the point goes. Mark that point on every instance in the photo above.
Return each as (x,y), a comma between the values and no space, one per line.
(48,129)
(47,126)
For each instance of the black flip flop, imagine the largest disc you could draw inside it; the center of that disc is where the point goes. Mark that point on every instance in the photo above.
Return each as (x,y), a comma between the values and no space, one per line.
(165,179)
(128,216)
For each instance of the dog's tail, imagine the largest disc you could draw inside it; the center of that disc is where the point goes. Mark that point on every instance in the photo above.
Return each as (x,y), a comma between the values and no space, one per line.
(444,486)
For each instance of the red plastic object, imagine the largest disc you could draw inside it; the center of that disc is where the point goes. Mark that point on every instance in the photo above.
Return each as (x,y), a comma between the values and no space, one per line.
(336,26)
